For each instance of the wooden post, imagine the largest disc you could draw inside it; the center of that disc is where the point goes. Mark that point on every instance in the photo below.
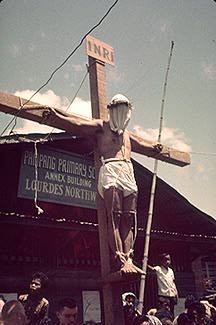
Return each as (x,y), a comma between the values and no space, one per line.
(112,303)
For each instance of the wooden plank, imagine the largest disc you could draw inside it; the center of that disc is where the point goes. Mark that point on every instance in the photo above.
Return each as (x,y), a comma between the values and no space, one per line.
(10,104)
(167,154)
(99,50)
(112,302)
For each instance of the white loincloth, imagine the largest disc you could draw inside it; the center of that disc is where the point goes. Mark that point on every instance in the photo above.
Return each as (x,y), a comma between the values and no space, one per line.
(119,174)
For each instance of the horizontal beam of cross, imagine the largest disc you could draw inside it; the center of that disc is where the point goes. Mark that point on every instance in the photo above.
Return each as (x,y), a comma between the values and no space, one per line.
(10,104)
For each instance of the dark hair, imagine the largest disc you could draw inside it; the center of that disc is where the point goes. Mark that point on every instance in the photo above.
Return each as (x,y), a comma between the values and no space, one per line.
(162,255)
(43,279)
(66,302)
(163,300)
(2,298)
(198,307)
(189,299)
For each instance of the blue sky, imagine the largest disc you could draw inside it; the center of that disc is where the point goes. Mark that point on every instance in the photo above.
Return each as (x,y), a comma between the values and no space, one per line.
(36,37)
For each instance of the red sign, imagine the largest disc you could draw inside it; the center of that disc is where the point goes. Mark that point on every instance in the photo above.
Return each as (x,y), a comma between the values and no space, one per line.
(99,50)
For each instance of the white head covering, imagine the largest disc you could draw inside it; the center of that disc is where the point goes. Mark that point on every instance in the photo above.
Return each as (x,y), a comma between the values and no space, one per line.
(119,113)
(127,294)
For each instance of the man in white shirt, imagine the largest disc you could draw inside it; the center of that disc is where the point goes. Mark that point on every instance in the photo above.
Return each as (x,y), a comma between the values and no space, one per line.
(166,280)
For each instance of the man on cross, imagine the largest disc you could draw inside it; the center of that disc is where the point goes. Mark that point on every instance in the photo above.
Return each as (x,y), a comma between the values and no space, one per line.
(116,182)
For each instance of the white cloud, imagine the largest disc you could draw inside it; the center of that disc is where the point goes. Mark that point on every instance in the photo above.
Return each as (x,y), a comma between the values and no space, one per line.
(79,106)
(170,137)
(33,127)
(46,98)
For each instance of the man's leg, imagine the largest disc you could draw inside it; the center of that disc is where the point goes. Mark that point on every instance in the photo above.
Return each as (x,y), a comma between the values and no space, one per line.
(128,221)
(120,225)
(128,236)
(172,305)
(113,202)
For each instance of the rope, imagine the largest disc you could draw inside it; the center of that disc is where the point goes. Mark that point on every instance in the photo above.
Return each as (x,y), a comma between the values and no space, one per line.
(39,210)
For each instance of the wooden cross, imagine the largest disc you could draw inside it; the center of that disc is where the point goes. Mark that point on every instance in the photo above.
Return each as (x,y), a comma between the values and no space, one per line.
(111,284)
(10,104)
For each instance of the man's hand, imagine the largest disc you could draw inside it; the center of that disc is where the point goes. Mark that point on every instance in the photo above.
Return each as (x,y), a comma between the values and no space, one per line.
(158,147)
(48,112)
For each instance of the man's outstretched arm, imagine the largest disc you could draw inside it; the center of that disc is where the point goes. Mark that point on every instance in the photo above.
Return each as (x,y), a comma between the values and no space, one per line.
(159,151)
(73,124)
(150,267)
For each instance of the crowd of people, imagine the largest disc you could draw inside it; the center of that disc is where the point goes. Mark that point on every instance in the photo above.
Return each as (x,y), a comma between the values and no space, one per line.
(33,308)
(200,311)
(197,312)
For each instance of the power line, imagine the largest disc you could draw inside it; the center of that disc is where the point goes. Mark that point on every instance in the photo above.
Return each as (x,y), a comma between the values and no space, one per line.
(202,153)
(70,103)
(61,65)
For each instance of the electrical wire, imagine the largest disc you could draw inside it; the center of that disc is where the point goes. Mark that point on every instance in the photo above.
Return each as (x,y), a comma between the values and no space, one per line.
(60,66)
(71,102)
(202,153)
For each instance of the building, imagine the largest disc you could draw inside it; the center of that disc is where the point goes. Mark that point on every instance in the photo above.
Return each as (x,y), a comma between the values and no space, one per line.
(63,240)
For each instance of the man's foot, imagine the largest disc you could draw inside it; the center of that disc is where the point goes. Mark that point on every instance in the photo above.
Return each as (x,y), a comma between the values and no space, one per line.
(125,263)
(129,267)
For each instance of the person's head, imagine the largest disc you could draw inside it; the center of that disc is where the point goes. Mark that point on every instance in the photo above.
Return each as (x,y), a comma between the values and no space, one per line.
(13,313)
(38,284)
(67,311)
(165,259)
(189,299)
(196,311)
(130,299)
(119,113)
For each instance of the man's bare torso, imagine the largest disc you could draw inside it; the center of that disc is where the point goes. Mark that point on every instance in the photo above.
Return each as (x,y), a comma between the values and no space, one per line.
(112,145)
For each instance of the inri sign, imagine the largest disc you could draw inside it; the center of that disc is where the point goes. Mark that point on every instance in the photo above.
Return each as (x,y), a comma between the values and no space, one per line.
(99,50)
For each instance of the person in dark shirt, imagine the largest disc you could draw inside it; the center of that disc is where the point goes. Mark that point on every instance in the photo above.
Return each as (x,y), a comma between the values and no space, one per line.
(35,305)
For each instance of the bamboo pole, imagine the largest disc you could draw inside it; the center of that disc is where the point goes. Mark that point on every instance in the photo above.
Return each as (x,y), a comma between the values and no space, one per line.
(152,195)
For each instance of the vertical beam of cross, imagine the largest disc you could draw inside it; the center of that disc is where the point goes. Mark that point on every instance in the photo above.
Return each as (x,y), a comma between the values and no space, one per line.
(112,304)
